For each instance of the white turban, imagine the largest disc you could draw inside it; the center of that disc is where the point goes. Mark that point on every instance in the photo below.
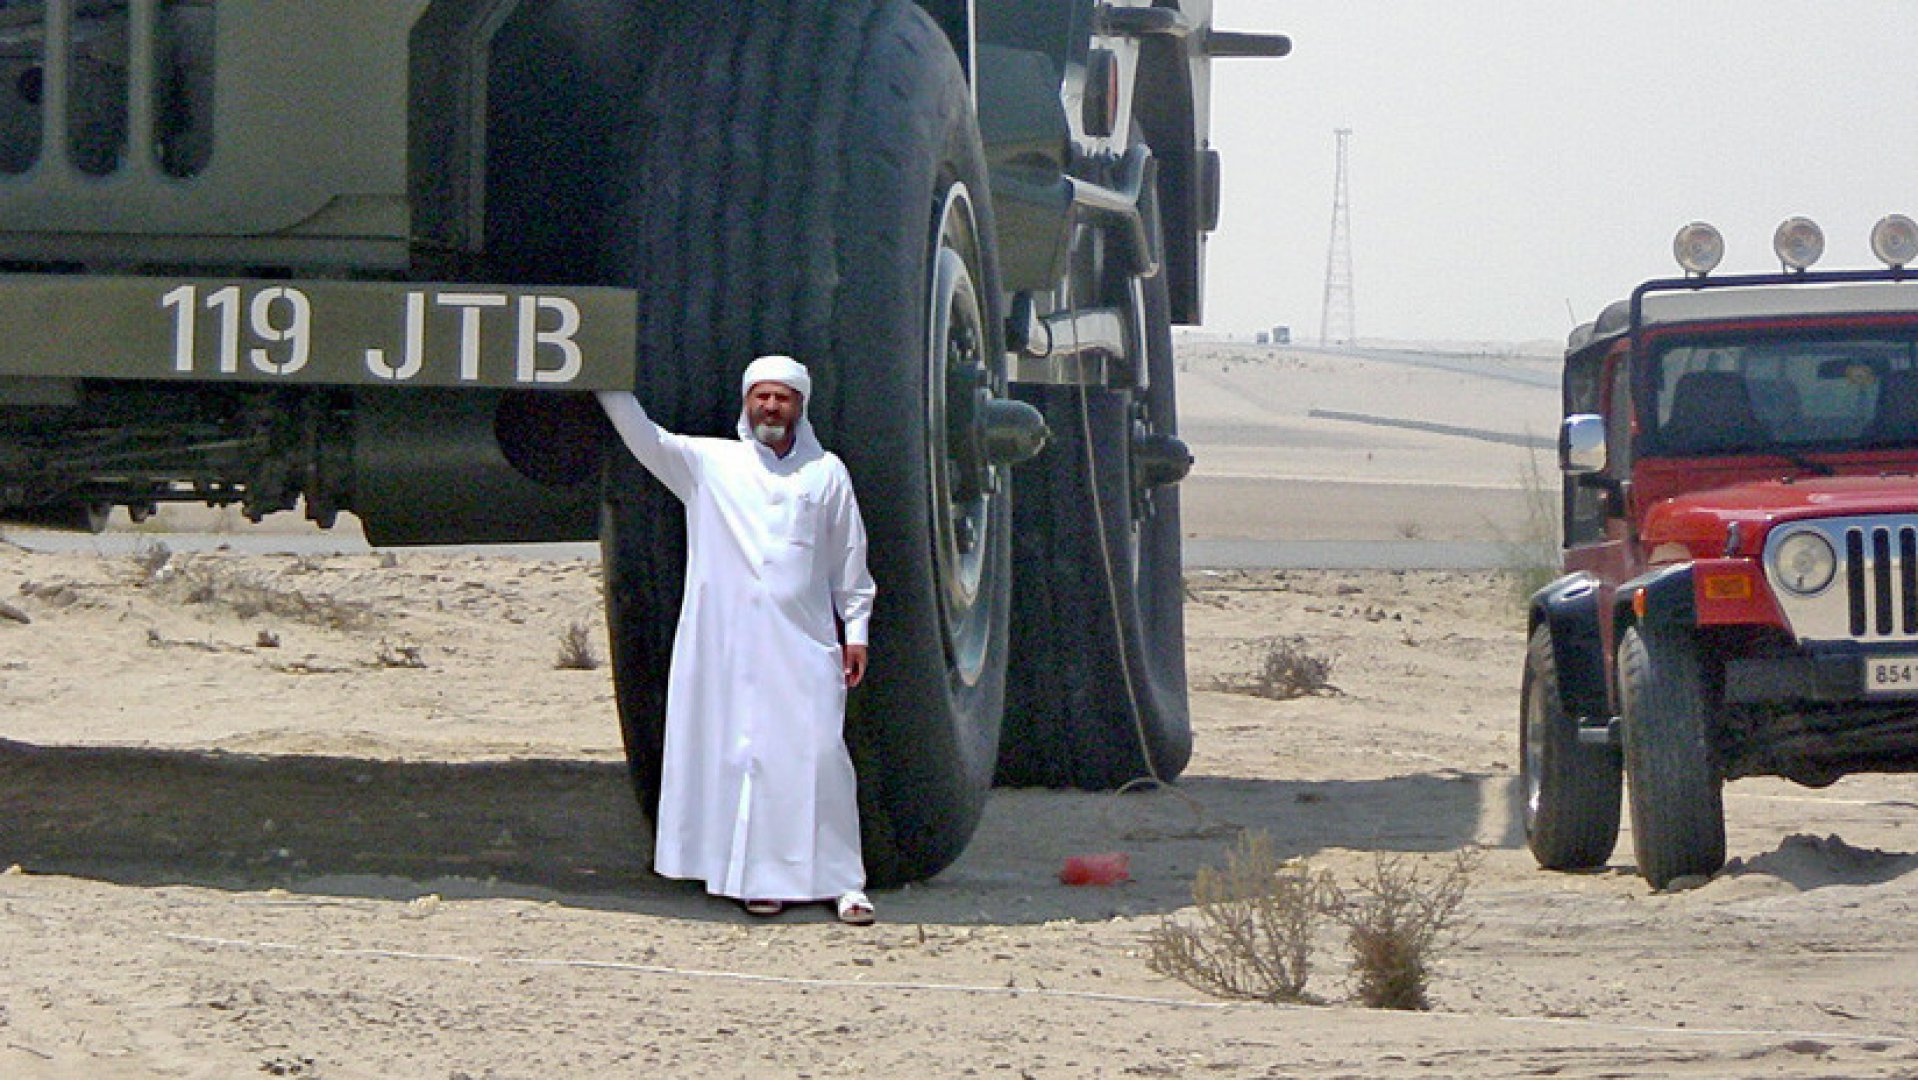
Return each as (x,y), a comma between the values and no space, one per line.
(780,369)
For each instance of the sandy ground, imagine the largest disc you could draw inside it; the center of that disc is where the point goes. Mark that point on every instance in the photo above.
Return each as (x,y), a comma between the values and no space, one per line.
(344,817)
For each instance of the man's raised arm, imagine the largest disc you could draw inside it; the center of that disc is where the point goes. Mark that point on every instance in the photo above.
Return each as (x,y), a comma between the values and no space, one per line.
(665,455)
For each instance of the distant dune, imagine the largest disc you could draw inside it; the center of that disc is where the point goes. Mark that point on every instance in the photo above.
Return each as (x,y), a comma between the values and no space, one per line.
(1297,443)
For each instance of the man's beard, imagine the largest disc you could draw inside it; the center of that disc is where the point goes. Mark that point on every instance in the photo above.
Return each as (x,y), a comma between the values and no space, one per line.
(770,434)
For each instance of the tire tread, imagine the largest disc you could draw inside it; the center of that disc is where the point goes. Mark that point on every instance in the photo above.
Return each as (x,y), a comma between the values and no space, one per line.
(1676,793)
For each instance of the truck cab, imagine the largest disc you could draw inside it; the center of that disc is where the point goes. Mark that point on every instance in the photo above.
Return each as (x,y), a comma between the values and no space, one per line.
(1740,595)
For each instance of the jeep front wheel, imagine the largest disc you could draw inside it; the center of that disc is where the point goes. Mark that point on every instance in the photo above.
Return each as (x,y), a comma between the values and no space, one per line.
(1676,792)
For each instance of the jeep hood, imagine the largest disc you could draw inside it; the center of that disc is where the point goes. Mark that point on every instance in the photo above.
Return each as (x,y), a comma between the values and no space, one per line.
(1695,524)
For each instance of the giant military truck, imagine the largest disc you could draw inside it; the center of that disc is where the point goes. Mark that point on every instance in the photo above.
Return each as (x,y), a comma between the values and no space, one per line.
(371,256)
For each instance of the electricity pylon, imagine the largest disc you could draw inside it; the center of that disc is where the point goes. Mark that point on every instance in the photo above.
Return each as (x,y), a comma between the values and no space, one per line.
(1338,319)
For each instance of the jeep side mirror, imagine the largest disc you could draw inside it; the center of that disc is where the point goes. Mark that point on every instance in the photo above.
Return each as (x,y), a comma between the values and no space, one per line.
(1581,444)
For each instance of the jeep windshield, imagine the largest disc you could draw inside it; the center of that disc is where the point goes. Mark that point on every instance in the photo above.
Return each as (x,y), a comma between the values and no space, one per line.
(1782,393)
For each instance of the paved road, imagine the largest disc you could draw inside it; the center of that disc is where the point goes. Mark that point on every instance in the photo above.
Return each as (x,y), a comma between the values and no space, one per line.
(1464,363)
(1346,555)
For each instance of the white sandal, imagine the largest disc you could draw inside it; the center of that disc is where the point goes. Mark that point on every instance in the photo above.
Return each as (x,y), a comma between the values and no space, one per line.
(855,910)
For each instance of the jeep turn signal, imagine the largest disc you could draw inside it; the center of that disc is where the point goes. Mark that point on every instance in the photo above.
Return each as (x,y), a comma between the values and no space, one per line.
(1726,587)
(1731,592)
(1895,240)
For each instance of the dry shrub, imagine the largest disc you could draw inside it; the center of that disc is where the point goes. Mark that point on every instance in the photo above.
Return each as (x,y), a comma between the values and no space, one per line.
(1290,670)
(1287,669)
(400,655)
(576,649)
(247,593)
(152,559)
(1396,922)
(1256,921)
(1533,559)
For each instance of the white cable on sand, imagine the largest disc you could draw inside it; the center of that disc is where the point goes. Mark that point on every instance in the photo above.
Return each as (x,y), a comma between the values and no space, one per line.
(1007,991)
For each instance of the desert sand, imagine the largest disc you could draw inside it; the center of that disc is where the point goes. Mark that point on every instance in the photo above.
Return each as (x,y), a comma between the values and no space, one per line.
(343,816)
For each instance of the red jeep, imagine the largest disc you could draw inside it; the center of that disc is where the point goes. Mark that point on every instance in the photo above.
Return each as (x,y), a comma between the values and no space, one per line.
(1741,552)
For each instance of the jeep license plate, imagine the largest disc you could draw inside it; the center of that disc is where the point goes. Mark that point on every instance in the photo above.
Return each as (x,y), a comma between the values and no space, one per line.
(1891,675)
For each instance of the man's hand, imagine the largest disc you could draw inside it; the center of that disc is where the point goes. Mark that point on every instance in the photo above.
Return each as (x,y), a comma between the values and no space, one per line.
(853,662)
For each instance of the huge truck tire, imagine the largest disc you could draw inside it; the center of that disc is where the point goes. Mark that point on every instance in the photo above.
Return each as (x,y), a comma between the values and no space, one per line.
(1572,790)
(811,182)
(1676,792)
(1097,698)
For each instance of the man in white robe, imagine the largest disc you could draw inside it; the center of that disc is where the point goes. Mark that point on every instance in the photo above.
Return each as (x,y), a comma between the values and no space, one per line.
(757,793)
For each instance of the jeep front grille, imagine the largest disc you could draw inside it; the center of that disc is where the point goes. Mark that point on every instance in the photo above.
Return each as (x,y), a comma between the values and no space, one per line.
(1873,596)
(1881,580)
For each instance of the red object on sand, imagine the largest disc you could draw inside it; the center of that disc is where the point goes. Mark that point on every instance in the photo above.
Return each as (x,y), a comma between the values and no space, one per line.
(1103,869)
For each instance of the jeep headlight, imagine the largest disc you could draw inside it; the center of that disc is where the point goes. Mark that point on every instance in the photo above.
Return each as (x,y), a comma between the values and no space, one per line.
(1805,562)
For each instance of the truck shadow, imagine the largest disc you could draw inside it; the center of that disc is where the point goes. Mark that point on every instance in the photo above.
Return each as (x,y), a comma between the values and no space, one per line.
(1170,834)
(141,816)
(570,831)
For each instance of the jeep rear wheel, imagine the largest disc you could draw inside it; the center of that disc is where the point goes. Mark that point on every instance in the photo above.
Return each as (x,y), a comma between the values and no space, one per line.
(1676,792)
(1571,790)
(810,181)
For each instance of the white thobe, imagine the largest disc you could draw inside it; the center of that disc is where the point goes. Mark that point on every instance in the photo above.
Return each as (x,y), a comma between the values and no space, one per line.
(757,793)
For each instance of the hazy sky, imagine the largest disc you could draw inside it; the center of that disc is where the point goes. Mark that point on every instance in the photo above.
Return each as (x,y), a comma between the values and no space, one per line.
(1516,163)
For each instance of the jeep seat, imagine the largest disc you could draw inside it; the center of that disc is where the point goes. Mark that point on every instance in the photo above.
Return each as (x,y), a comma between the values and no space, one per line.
(1896,420)
(1711,413)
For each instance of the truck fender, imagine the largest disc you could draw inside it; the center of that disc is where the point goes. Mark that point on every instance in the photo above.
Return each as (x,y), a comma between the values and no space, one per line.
(1568,607)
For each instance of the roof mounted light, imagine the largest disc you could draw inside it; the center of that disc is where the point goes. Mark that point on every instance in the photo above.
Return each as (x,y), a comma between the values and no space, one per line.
(1799,242)
(1895,240)
(1698,248)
